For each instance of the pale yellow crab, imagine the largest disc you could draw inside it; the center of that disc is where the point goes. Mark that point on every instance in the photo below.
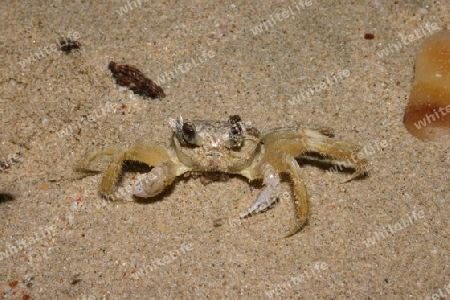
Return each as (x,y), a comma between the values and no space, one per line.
(233,147)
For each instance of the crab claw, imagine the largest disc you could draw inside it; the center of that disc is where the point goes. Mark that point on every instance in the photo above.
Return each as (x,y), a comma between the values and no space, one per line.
(269,194)
(155,182)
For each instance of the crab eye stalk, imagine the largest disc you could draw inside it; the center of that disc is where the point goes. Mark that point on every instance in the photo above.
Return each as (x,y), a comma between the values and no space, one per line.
(184,131)
(234,119)
(236,138)
(189,134)
(235,131)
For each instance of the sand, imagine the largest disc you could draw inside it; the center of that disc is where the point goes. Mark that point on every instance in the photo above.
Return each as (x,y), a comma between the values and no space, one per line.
(384,236)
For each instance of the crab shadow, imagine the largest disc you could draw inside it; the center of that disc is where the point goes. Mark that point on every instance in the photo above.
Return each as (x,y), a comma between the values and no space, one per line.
(205,177)
(317,160)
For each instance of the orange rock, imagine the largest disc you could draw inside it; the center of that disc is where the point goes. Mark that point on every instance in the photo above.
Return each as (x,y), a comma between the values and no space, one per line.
(427,115)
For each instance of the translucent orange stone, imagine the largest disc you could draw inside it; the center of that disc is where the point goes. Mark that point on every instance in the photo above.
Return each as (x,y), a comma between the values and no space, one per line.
(427,115)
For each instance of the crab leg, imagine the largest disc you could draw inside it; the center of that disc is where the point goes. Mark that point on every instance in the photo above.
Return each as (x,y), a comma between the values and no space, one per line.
(82,164)
(150,154)
(341,151)
(282,161)
(300,141)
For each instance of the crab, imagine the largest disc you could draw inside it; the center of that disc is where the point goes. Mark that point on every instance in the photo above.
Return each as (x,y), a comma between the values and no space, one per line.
(229,146)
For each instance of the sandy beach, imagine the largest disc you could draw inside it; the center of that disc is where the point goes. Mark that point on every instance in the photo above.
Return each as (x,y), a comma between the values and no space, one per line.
(345,66)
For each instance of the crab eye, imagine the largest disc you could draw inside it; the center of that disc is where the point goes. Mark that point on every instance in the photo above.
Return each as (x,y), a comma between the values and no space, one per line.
(235,130)
(234,119)
(189,135)
(235,136)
